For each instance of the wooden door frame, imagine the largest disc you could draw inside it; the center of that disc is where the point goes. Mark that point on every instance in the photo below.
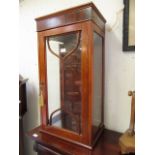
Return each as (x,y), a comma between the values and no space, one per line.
(62,133)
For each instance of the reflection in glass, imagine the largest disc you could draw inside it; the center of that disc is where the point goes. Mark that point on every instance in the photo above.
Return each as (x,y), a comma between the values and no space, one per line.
(64,81)
(97,75)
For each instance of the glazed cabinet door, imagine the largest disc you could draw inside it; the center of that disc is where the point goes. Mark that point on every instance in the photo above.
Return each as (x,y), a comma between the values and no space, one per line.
(62,54)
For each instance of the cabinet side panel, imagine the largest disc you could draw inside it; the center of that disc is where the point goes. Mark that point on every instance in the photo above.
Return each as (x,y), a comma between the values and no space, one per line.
(97,76)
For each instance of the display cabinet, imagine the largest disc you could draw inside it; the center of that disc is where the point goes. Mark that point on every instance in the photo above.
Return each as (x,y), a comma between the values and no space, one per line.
(71,73)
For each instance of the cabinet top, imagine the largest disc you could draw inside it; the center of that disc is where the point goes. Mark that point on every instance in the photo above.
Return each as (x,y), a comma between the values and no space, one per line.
(69,16)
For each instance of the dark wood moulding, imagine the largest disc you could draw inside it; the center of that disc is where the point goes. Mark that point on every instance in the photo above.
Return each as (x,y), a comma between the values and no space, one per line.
(70,16)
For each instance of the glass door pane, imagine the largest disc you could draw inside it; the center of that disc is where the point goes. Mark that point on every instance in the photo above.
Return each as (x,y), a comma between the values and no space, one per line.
(64,80)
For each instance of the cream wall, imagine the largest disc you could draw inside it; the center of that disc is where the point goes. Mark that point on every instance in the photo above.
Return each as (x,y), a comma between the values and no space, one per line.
(119,66)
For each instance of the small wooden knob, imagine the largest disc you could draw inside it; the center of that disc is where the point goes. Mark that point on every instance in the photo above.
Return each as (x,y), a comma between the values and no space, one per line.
(130,93)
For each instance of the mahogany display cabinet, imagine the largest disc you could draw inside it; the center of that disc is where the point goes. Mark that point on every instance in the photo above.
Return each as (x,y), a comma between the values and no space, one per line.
(71,73)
